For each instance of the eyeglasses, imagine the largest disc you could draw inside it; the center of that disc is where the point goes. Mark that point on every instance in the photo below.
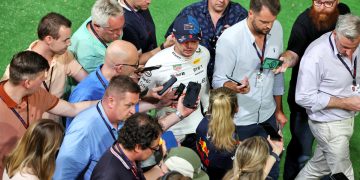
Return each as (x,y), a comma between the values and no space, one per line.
(136,66)
(327,4)
(112,31)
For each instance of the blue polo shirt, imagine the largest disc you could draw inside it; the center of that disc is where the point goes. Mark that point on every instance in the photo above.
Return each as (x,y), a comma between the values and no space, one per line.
(91,88)
(85,141)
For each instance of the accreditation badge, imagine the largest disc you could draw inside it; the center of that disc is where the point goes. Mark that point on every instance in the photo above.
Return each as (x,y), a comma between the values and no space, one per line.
(259,80)
(355,88)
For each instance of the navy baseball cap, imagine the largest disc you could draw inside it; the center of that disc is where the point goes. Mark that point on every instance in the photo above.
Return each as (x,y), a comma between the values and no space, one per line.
(186,28)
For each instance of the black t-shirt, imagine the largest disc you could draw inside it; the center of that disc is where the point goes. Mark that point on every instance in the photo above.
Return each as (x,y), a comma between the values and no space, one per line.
(302,34)
(113,165)
(140,30)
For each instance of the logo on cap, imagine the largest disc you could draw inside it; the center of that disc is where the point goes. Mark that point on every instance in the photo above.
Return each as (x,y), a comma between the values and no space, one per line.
(189,27)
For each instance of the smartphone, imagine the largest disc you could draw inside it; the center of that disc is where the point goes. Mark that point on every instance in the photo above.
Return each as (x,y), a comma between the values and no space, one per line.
(271,63)
(144,92)
(233,80)
(274,135)
(167,85)
(192,93)
(338,176)
(179,91)
(150,68)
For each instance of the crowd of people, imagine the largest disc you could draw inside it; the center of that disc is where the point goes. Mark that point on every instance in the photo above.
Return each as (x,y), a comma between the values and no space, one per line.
(123,121)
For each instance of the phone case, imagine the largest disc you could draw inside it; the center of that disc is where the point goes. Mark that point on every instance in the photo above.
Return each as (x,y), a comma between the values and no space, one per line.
(271,63)
(167,85)
(233,80)
(192,93)
(179,91)
(271,131)
(150,68)
(338,176)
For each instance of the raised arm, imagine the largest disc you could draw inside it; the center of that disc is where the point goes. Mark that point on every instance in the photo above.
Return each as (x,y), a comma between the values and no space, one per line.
(66,109)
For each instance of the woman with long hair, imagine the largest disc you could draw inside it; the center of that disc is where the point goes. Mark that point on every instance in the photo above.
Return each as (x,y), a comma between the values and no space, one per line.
(215,136)
(34,156)
(253,160)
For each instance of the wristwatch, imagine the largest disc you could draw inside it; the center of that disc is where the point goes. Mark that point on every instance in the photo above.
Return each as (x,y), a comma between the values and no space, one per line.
(178,114)
(277,158)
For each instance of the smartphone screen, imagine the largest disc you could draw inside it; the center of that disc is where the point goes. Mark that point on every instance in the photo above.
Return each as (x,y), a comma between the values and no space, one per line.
(271,63)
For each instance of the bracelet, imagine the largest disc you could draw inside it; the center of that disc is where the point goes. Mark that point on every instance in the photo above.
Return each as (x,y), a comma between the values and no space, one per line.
(162,46)
(178,114)
(277,158)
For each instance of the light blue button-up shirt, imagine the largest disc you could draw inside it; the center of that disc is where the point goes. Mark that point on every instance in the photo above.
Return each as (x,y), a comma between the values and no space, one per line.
(237,57)
(85,141)
(91,88)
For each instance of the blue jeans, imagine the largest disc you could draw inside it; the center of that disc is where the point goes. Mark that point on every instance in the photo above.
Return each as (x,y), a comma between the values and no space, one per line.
(299,149)
(244,132)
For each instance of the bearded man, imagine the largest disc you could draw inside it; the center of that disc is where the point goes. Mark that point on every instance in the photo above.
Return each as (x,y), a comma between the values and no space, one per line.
(320,18)
(261,100)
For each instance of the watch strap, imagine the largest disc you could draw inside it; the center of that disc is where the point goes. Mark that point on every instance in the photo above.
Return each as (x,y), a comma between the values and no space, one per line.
(178,114)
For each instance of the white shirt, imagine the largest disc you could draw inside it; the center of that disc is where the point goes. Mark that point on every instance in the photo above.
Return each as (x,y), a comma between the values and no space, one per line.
(237,57)
(185,70)
(23,175)
(322,76)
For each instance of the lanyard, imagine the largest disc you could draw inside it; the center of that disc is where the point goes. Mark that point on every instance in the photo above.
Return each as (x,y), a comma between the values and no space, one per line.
(25,124)
(101,80)
(107,125)
(132,166)
(261,56)
(44,83)
(97,36)
(353,75)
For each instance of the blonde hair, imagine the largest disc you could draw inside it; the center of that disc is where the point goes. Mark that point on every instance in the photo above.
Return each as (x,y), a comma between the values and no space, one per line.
(250,160)
(223,106)
(35,151)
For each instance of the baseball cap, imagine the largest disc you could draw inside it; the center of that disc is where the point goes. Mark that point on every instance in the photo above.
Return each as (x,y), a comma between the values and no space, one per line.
(186,28)
(185,161)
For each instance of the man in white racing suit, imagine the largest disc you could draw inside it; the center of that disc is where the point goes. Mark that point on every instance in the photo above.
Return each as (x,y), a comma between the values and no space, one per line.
(187,61)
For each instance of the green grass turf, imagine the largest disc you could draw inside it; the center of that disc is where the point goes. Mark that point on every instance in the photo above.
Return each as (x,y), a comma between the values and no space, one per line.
(19,19)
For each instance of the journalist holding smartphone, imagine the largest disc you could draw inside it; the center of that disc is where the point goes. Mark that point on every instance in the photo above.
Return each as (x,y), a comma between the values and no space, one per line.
(242,60)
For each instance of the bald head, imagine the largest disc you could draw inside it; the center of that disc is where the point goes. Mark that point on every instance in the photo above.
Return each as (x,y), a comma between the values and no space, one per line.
(121,52)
